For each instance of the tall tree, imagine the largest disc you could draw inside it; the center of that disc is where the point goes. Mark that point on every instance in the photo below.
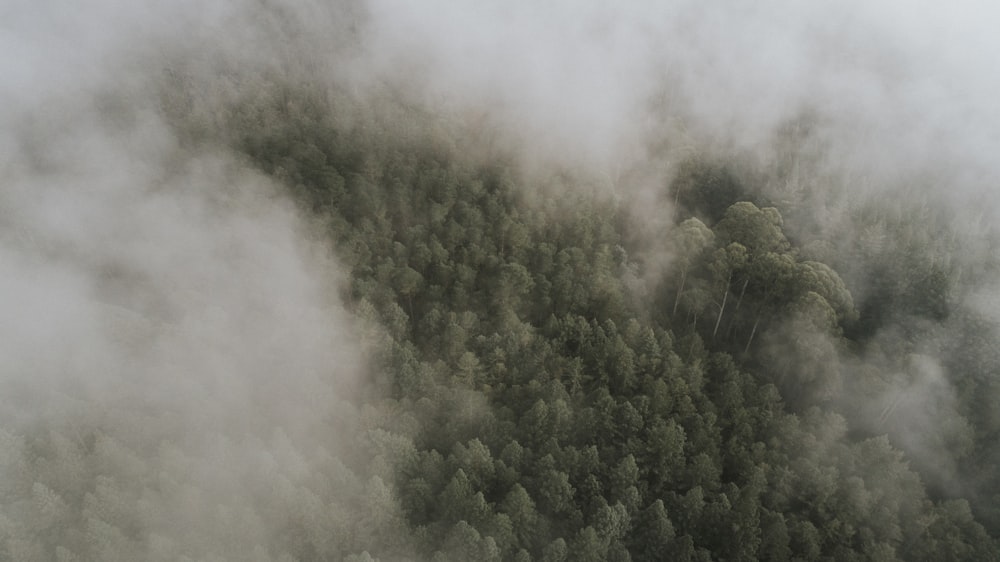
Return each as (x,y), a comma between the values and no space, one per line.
(690,240)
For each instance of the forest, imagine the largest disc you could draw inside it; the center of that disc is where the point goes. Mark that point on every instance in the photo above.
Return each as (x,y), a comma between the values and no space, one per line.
(541,404)
(547,366)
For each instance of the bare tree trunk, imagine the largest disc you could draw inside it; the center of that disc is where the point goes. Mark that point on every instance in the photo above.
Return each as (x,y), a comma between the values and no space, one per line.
(680,290)
(752,332)
(722,308)
(739,301)
(742,292)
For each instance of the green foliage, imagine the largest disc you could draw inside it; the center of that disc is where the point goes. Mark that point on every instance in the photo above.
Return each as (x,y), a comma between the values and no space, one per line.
(705,189)
(531,402)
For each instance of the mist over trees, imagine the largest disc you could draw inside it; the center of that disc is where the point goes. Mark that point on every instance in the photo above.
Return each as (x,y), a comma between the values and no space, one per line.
(308,303)
(713,424)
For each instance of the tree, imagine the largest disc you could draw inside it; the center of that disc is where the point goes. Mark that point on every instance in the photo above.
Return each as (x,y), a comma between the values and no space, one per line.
(665,460)
(556,551)
(774,537)
(555,492)
(727,262)
(624,476)
(476,462)
(654,534)
(825,282)
(407,282)
(519,506)
(587,546)
(758,230)
(464,542)
(690,241)
(611,522)
(773,278)
(705,189)
(458,501)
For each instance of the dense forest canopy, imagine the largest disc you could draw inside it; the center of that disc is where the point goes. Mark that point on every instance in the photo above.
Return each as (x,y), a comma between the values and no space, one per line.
(263,309)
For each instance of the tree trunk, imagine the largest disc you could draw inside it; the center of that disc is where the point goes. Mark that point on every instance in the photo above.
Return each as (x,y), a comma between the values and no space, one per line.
(739,301)
(722,308)
(742,292)
(752,332)
(680,290)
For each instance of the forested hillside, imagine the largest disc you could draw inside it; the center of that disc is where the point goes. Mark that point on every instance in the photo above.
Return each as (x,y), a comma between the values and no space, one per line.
(370,281)
(544,405)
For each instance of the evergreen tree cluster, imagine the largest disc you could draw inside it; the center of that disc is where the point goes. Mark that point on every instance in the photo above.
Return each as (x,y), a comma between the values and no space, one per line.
(540,390)
(540,410)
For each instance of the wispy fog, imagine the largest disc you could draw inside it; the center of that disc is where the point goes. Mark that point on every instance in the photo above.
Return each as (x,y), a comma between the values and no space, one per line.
(824,108)
(171,323)
(895,90)
(176,366)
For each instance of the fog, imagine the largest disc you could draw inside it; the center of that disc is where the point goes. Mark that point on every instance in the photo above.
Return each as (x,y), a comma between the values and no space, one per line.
(896,90)
(173,322)
(826,108)
(177,367)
